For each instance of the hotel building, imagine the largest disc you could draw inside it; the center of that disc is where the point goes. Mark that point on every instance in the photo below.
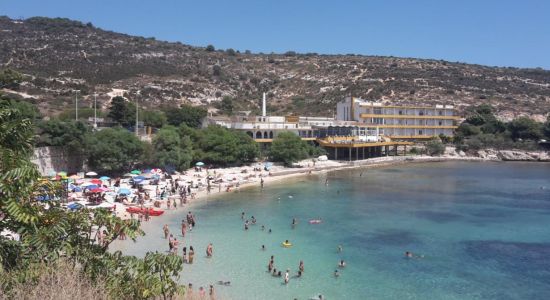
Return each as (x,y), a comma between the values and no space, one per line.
(400,122)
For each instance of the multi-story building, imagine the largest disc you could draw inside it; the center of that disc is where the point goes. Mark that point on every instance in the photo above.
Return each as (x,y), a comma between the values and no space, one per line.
(400,122)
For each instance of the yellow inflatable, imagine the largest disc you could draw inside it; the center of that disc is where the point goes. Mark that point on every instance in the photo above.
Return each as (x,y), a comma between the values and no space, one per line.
(287,244)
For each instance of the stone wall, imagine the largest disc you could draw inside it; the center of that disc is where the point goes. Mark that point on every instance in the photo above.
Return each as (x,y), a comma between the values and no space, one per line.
(56,159)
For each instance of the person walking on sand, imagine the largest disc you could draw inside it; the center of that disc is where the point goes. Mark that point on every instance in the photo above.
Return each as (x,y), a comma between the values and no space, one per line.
(166,230)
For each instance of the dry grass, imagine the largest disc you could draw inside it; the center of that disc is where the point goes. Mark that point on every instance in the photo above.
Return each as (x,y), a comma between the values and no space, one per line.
(58,282)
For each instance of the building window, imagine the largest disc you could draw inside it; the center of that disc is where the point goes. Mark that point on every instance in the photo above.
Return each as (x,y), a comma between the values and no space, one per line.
(420,132)
(440,113)
(258,135)
(271,134)
(400,112)
(440,123)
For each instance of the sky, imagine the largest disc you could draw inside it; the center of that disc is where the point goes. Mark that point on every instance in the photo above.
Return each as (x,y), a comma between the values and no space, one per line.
(487,32)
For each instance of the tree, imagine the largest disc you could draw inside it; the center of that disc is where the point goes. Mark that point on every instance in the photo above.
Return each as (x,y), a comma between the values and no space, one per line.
(169,151)
(546,128)
(226,105)
(525,128)
(71,135)
(113,150)
(50,237)
(288,148)
(210,48)
(121,111)
(26,109)
(10,79)
(217,70)
(221,146)
(153,118)
(186,114)
(435,147)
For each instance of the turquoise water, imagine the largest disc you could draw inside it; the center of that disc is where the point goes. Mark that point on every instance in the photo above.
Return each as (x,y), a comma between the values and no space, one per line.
(483,229)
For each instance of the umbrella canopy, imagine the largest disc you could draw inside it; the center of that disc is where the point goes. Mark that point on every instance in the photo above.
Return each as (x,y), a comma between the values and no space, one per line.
(199,164)
(139,177)
(96,181)
(104,178)
(87,184)
(62,174)
(156,171)
(74,177)
(143,182)
(97,190)
(91,173)
(75,206)
(124,191)
(137,172)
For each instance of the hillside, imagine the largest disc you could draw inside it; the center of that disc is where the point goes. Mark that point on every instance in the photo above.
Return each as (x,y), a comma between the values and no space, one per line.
(60,55)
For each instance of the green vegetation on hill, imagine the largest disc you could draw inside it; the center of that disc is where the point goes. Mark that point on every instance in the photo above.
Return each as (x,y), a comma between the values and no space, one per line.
(482,129)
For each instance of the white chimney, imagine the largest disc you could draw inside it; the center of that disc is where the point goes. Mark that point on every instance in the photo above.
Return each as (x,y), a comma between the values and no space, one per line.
(264,114)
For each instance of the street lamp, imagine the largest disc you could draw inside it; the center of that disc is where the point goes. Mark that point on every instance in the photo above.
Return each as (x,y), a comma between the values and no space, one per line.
(76,103)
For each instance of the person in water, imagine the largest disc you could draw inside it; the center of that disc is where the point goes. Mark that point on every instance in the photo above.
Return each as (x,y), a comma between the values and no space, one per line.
(191,254)
(274,272)
(253,220)
(336,273)
(184,254)
(287,242)
(340,248)
(242,215)
(263,227)
(166,230)
(342,264)
(263,247)
(301,266)
(293,223)
(286,276)
(269,230)
(209,250)
(279,274)
(270,266)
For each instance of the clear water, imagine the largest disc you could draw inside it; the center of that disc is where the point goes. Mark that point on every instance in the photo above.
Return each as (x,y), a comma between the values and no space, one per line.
(483,229)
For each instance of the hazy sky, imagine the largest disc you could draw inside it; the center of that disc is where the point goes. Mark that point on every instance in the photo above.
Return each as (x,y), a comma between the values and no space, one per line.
(489,32)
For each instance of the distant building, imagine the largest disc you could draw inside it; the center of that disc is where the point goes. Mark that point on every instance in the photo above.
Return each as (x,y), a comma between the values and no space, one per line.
(399,122)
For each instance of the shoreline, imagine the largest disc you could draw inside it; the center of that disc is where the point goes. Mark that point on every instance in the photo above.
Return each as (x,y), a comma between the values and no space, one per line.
(284,173)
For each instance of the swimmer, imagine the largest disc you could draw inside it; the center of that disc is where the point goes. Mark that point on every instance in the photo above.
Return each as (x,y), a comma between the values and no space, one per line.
(263,247)
(286,276)
(294,222)
(408,254)
(299,274)
(336,273)
(269,230)
(279,274)
(274,272)
(263,227)
(209,250)
(202,292)
(301,266)
(270,266)
(342,264)
(211,290)
(340,248)
(242,215)
(253,220)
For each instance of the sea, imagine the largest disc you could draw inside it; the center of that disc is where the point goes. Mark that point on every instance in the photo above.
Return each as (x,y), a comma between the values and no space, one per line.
(477,230)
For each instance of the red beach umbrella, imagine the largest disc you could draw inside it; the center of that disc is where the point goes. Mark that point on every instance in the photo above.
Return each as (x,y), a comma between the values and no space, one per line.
(96,181)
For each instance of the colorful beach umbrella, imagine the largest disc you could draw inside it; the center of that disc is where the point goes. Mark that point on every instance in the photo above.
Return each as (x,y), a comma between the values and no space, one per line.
(97,190)
(91,173)
(199,164)
(104,178)
(74,177)
(137,172)
(96,181)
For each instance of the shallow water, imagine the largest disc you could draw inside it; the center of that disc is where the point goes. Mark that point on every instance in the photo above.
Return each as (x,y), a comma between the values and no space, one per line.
(481,227)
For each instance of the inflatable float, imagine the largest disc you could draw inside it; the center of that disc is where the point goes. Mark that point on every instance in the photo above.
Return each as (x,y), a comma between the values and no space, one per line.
(138,210)
(315,221)
(287,244)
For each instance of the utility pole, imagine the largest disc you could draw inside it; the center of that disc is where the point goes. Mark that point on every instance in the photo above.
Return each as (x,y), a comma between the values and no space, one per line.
(137,132)
(95,110)
(76,103)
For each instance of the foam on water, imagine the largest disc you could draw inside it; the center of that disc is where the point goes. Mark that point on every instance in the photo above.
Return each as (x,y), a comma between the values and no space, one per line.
(482,227)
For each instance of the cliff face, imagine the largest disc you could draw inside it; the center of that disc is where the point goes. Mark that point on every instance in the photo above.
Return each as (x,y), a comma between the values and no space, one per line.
(61,55)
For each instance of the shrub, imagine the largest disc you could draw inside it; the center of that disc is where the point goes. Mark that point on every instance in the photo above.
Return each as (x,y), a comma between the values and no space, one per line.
(435,147)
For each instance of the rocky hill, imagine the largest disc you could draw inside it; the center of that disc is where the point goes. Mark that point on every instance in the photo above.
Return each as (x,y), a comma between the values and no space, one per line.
(60,55)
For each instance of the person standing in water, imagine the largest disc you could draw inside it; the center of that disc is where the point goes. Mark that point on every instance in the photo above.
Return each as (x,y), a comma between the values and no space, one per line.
(166,230)
(262,183)
(191,254)
(301,266)
(286,276)
(209,250)
(184,255)
(294,222)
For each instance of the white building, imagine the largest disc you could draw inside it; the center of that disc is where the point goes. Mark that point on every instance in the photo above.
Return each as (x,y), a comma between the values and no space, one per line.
(400,122)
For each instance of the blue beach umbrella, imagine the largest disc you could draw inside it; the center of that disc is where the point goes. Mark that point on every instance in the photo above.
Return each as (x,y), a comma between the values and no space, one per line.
(104,178)
(124,191)
(75,206)
(199,164)
(139,178)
